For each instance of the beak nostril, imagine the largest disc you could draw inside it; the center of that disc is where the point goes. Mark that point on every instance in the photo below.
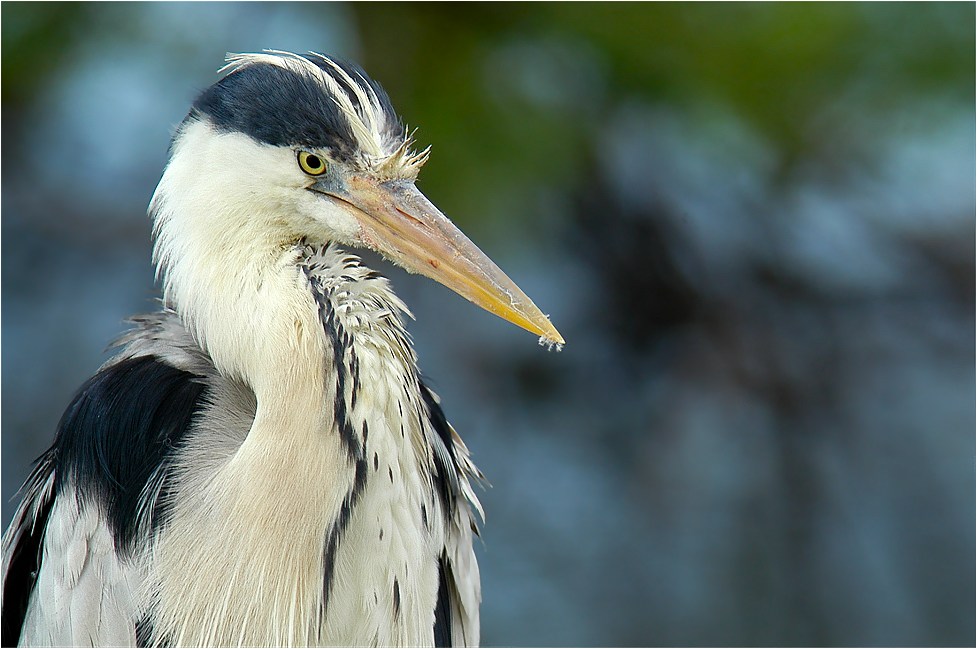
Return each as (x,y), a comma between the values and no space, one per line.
(413,219)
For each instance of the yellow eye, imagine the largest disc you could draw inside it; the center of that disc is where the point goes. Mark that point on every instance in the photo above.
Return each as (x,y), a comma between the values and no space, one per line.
(311,163)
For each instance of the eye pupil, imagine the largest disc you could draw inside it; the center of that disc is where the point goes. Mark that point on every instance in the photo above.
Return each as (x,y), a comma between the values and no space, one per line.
(311,163)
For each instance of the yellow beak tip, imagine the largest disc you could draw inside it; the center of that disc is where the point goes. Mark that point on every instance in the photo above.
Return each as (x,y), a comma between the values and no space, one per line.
(550,338)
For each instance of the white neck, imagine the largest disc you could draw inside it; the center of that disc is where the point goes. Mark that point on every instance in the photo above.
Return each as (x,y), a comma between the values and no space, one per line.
(227,263)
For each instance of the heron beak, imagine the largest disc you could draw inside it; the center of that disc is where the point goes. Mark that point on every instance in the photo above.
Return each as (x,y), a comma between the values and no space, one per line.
(399,222)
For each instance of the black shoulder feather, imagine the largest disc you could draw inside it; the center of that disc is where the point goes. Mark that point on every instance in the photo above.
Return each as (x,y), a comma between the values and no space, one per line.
(118,431)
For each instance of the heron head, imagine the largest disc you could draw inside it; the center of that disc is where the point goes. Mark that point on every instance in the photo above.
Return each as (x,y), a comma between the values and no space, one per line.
(311,147)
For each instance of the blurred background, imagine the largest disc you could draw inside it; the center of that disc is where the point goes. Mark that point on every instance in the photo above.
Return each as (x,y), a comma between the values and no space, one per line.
(754,225)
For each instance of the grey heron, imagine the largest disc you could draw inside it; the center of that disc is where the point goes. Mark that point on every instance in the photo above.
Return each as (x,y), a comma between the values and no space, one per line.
(261,462)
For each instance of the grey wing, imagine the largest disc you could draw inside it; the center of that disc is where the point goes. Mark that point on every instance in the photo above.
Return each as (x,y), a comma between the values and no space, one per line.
(460,567)
(64,583)
(459,591)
